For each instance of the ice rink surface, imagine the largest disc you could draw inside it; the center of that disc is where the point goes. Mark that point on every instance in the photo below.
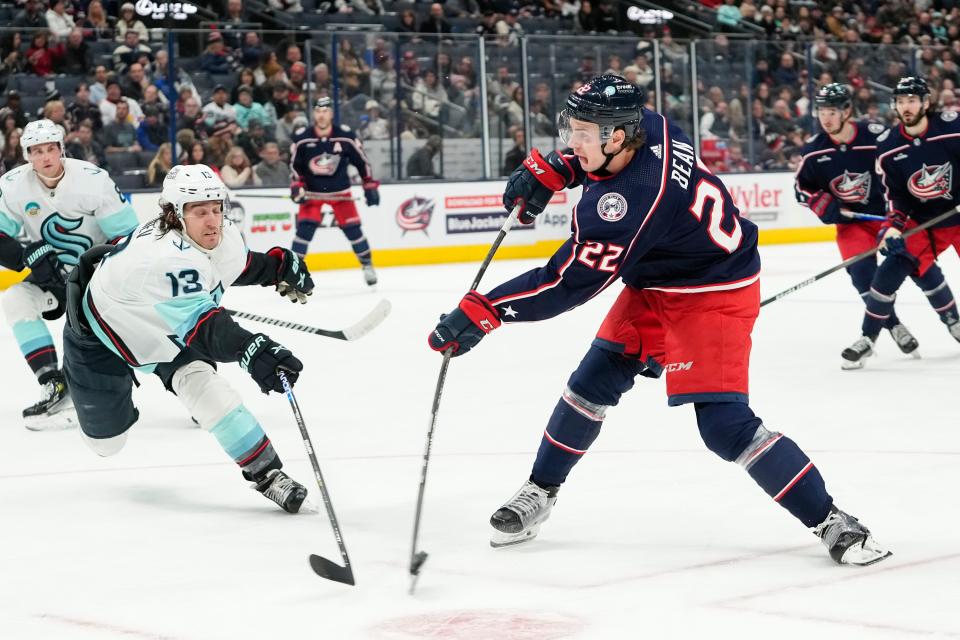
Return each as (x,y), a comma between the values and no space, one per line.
(652,536)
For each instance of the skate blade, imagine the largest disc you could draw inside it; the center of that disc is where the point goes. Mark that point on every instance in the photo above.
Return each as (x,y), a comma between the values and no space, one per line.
(915,354)
(847,365)
(865,554)
(500,540)
(60,421)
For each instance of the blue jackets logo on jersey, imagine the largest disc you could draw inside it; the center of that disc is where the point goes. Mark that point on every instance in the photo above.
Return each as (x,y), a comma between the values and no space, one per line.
(851,187)
(324,164)
(611,207)
(414,214)
(932,182)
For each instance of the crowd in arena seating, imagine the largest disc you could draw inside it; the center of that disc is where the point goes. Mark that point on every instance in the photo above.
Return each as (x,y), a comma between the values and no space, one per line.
(98,71)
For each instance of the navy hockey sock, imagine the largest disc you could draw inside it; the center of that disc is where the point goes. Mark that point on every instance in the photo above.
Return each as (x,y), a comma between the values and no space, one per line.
(573,427)
(883,292)
(301,241)
(358,242)
(861,273)
(36,345)
(938,293)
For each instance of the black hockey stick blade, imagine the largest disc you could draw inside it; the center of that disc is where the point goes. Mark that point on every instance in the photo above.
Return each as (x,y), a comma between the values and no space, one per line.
(331,570)
(415,563)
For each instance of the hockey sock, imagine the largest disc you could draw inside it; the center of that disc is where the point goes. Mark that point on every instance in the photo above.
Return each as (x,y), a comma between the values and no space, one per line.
(301,241)
(572,428)
(938,293)
(883,292)
(243,439)
(358,242)
(861,273)
(36,345)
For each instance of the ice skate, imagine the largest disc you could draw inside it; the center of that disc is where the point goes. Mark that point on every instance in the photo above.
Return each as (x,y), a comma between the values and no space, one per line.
(520,518)
(369,274)
(55,408)
(954,330)
(282,489)
(848,541)
(905,340)
(855,355)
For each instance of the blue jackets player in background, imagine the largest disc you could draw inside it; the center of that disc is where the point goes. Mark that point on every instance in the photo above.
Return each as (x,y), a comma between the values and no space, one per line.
(319,156)
(837,177)
(652,216)
(916,161)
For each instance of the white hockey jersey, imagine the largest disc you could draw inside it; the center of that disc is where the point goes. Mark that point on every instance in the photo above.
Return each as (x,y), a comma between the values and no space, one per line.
(145,301)
(85,208)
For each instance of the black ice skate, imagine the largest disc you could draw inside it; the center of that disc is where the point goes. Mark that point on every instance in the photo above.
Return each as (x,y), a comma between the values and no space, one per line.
(369,275)
(520,518)
(848,541)
(954,330)
(282,489)
(905,340)
(55,409)
(855,355)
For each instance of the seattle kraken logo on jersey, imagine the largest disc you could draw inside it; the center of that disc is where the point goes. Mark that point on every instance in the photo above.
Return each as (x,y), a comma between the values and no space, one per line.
(932,182)
(56,230)
(852,187)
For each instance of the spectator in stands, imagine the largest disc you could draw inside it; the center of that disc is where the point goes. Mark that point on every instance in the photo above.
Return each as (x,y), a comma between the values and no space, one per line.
(286,6)
(786,75)
(585,20)
(509,29)
(948,101)
(408,22)
(13,106)
(81,109)
(97,25)
(736,163)
(77,55)
(236,170)
(278,104)
(253,139)
(607,19)
(128,22)
(133,83)
(230,24)
(516,154)
(197,155)
(59,22)
(488,25)
(119,134)
(55,112)
(218,109)
(247,79)
(246,109)
(354,72)
(420,164)
(220,142)
(129,51)
(11,61)
(216,59)
(12,155)
(251,51)
(435,23)
(513,110)
(30,17)
(293,56)
(428,97)
(368,7)
(108,108)
(644,71)
(297,84)
(375,127)
(98,88)
(290,122)
(160,166)
(84,147)
(44,54)
(153,97)
(151,132)
(321,77)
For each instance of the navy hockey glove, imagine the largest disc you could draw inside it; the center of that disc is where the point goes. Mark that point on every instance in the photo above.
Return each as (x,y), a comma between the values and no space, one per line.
(465,326)
(297,192)
(891,242)
(371,192)
(532,184)
(827,208)
(45,272)
(261,357)
(293,278)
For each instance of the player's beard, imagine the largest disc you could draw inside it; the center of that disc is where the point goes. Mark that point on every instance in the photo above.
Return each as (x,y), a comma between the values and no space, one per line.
(913,121)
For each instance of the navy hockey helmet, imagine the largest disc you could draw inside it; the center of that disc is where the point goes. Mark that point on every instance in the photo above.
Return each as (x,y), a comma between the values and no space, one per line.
(911,86)
(833,95)
(609,101)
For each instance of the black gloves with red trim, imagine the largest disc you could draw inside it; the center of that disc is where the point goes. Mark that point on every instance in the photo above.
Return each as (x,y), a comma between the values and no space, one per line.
(293,278)
(532,184)
(827,208)
(462,328)
(371,192)
(297,192)
(262,358)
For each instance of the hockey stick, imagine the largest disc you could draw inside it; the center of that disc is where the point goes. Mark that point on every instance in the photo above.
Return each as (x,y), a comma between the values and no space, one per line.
(857,258)
(309,196)
(355,331)
(863,216)
(417,558)
(321,566)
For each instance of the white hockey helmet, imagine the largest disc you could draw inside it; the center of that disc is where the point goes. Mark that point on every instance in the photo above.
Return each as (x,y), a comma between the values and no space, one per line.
(192,183)
(40,132)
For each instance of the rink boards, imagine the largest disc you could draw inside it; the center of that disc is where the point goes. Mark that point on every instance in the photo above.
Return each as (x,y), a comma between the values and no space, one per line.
(434,222)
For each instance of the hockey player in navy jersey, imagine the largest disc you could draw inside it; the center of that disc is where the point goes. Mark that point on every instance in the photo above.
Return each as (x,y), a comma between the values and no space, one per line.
(836,178)
(916,161)
(319,156)
(653,216)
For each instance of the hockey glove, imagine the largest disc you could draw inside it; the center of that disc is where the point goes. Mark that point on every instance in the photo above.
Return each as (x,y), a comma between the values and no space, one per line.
(531,185)
(371,192)
(293,278)
(891,242)
(826,207)
(465,326)
(41,258)
(297,192)
(261,357)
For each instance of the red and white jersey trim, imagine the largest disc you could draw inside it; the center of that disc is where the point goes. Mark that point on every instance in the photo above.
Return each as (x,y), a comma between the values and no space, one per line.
(704,288)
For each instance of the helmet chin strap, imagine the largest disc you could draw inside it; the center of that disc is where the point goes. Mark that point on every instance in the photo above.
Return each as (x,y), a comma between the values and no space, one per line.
(602,171)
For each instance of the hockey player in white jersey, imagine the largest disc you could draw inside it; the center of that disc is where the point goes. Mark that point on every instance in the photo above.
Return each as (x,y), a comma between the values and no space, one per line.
(153,304)
(62,207)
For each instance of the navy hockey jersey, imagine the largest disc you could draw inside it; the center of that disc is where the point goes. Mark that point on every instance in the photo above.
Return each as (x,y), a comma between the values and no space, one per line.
(917,173)
(848,170)
(663,222)
(321,162)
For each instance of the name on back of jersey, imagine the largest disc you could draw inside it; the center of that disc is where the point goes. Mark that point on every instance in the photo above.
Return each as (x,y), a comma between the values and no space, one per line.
(682,165)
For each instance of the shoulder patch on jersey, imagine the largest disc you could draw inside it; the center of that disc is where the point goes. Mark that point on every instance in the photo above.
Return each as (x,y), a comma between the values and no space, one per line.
(876,128)
(948,116)
(883,136)
(612,207)
(344,127)
(812,138)
(299,131)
